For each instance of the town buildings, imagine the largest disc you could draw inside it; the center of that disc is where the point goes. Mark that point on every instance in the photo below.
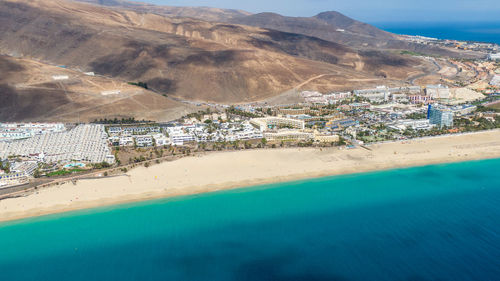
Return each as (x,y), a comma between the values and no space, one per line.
(494,56)
(438,91)
(384,93)
(83,143)
(20,172)
(15,131)
(289,135)
(341,123)
(495,81)
(420,99)
(420,124)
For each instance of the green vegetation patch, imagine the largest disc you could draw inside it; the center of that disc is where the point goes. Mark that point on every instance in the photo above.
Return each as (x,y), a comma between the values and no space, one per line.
(140,84)
(64,172)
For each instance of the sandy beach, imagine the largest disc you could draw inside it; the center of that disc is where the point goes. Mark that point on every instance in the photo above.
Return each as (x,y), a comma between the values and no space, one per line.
(224,170)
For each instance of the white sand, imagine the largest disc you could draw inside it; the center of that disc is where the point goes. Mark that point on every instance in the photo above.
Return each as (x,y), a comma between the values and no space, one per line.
(215,171)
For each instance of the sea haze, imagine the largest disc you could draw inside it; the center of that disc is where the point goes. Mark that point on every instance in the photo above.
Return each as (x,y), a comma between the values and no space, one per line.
(436,222)
(467,31)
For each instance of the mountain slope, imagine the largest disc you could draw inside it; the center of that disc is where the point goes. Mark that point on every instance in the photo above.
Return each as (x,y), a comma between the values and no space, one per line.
(329,26)
(28,92)
(202,13)
(188,58)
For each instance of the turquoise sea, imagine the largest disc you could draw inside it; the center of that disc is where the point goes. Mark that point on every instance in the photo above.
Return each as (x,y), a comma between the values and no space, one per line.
(467,31)
(438,222)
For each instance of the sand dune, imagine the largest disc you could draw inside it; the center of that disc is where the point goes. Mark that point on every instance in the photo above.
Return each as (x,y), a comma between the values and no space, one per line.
(216,171)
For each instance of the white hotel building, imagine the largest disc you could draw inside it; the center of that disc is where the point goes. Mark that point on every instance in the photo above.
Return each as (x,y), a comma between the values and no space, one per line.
(266,123)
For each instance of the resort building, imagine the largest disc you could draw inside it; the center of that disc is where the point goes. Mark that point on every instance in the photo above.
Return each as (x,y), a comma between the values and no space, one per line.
(126,141)
(326,138)
(494,56)
(82,143)
(438,91)
(335,97)
(27,167)
(178,137)
(13,179)
(20,172)
(161,139)
(383,93)
(295,111)
(357,105)
(267,123)
(144,141)
(15,131)
(440,116)
(401,125)
(289,135)
(416,99)
(495,81)
(339,124)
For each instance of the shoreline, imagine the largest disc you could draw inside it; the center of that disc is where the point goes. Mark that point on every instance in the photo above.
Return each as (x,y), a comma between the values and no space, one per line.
(218,171)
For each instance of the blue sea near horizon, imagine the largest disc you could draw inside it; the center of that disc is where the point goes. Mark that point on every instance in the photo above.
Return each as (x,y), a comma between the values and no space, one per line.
(438,222)
(465,31)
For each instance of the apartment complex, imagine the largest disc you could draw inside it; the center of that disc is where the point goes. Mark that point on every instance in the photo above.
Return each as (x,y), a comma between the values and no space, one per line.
(15,131)
(82,143)
(267,123)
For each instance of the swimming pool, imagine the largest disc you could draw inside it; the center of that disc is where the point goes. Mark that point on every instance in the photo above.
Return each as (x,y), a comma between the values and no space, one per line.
(74,165)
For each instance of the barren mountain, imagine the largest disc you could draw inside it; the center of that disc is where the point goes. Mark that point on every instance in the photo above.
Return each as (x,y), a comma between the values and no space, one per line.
(29,92)
(335,27)
(188,58)
(203,13)
(330,26)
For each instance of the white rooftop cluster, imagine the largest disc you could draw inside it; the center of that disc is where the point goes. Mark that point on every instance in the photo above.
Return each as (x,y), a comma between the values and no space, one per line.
(276,123)
(494,56)
(199,133)
(13,131)
(421,124)
(438,91)
(83,143)
(384,93)
(495,81)
(314,97)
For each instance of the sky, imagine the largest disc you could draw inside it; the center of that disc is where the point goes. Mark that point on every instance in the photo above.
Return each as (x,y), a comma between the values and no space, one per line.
(371,11)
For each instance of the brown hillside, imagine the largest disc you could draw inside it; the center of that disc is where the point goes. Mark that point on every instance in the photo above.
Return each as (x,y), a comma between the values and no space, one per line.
(330,26)
(202,13)
(29,93)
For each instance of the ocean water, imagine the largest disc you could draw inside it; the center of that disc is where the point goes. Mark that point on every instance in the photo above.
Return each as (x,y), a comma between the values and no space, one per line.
(439,222)
(473,31)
